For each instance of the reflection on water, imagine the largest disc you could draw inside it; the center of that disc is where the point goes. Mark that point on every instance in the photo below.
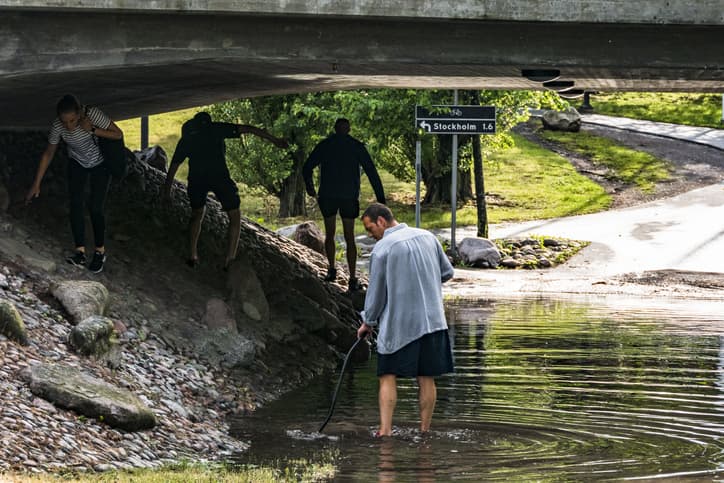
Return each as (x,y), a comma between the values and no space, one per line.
(544,390)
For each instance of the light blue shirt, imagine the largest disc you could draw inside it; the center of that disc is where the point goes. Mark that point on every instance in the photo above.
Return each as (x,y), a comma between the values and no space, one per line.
(404,297)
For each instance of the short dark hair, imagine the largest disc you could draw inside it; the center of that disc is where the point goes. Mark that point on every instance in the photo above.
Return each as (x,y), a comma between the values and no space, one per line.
(341,126)
(203,118)
(378,210)
(68,103)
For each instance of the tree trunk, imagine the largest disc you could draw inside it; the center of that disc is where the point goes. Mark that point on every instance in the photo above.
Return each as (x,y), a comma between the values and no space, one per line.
(291,194)
(438,187)
(479,178)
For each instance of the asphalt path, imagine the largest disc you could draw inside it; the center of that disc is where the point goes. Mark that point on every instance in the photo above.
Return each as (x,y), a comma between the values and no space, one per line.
(685,232)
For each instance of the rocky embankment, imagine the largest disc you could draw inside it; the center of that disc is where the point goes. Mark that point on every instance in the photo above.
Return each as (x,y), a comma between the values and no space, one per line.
(189,400)
(178,349)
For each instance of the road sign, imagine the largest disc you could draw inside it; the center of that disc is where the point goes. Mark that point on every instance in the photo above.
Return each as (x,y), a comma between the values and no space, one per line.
(456,119)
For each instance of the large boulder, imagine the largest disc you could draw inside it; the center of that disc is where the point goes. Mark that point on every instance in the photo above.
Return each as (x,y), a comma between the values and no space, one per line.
(568,120)
(246,291)
(94,336)
(225,348)
(154,156)
(11,323)
(479,252)
(309,235)
(219,315)
(81,298)
(69,388)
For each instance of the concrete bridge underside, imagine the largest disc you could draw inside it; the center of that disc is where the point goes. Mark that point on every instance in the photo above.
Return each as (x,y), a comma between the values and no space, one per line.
(135,62)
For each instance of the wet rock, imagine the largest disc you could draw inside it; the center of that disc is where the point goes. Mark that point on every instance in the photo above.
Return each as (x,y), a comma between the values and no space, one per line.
(247,294)
(69,388)
(509,262)
(219,316)
(94,336)
(81,298)
(479,252)
(309,235)
(224,348)
(11,323)
(15,248)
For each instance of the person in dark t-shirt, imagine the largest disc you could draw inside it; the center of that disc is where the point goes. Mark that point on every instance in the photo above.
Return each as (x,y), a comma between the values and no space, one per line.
(340,157)
(203,143)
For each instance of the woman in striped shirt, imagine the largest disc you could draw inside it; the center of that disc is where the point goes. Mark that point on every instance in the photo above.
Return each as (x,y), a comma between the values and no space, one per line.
(80,128)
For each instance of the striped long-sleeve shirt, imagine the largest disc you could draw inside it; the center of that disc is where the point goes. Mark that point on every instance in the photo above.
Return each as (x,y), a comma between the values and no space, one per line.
(404,298)
(82,145)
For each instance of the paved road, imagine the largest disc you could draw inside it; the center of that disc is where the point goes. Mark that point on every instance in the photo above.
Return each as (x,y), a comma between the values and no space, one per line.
(700,135)
(685,232)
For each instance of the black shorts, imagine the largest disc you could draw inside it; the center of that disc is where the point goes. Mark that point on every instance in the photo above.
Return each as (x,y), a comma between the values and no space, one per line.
(347,207)
(223,187)
(430,355)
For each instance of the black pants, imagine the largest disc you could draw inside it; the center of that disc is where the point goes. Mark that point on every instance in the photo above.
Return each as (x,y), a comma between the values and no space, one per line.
(77,178)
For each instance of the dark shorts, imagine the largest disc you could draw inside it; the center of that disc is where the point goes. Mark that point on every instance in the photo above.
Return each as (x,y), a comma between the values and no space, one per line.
(348,208)
(223,187)
(430,355)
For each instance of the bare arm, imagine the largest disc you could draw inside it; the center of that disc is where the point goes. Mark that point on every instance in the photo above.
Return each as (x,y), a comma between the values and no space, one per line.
(278,142)
(169,179)
(111,132)
(45,159)
(179,155)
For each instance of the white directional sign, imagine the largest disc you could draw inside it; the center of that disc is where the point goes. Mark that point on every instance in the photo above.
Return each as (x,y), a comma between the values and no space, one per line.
(456,119)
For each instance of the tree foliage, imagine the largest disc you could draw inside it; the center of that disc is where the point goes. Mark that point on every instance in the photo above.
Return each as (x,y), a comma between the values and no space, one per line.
(382,118)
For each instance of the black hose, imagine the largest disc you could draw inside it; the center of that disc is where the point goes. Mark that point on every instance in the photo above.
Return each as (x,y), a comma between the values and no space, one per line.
(339,383)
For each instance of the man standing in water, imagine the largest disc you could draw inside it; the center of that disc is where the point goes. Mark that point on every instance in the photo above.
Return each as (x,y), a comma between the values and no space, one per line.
(404,301)
(203,142)
(341,156)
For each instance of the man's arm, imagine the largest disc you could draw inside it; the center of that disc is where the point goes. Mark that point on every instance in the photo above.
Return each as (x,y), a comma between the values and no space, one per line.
(376,296)
(278,142)
(312,162)
(179,155)
(372,175)
(446,269)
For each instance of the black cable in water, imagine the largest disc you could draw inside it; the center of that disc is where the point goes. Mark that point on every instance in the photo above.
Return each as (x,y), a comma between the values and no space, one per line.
(339,383)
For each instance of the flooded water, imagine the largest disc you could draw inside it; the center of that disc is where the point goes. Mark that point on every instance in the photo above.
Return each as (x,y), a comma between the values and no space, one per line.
(544,390)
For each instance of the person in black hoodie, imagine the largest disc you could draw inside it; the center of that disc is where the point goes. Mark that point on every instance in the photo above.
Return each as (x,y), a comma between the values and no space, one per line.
(340,157)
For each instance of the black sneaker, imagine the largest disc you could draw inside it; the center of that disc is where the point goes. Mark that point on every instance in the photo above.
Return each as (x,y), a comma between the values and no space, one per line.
(96,264)
(331,275)
(77,259)
(354,285)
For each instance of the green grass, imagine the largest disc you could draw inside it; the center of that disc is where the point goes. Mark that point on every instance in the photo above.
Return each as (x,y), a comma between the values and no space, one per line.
(524,183)
(292,471)
(690,109)
(624,164)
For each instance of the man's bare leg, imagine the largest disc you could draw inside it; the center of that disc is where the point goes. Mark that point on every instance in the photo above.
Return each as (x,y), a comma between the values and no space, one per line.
(197,217)
(348,227)
(330,228)
(234,229)
(387,401)
(427,396)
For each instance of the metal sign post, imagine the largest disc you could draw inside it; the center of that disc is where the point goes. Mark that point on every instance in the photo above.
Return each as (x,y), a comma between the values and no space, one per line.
(451,120)
(454,188)
(418,175)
